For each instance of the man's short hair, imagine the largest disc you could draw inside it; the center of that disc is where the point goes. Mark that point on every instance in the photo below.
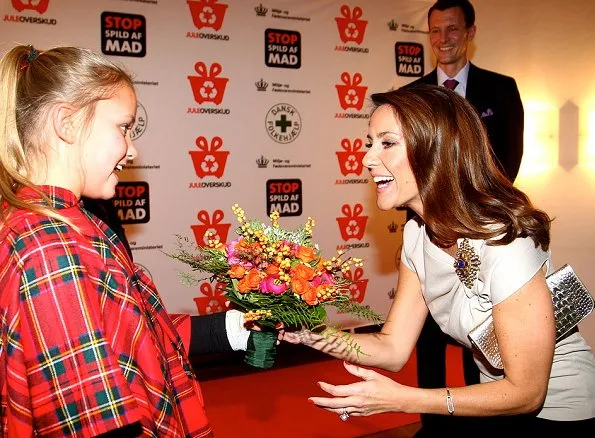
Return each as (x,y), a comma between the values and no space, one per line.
(465,6)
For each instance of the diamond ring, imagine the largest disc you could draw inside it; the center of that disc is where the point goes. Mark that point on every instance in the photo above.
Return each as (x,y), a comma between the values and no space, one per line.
(344,415)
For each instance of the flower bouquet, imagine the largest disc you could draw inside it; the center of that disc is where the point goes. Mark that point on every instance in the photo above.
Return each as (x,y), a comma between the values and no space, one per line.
(278,278)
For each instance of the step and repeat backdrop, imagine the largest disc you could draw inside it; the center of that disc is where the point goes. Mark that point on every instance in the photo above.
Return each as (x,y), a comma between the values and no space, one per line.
(263,104)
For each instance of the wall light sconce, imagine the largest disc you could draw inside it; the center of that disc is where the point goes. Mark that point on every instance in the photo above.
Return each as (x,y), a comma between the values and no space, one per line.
(587,137)
(540,138)
(568,137)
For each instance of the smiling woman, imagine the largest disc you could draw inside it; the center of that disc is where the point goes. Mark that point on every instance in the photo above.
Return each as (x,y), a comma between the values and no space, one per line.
(387,160)
(477,247)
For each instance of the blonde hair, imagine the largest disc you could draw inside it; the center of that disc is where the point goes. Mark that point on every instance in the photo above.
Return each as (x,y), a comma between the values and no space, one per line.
(31,84)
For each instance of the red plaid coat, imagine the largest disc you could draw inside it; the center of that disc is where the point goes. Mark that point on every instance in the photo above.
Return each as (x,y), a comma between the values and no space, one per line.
(85,343)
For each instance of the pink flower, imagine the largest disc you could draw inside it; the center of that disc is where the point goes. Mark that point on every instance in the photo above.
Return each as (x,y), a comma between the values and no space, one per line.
(325,278)
(233,260)
(272,285)
(232,257)
(292,246)
(231,246)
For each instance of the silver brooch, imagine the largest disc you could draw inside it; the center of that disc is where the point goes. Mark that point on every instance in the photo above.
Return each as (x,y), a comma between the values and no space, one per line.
(467,264)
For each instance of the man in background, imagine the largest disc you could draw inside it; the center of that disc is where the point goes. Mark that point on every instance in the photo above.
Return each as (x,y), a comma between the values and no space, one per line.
(497,100)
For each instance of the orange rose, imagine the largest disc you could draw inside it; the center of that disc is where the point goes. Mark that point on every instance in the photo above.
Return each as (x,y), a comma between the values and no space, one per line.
(253,279)
(256,248)
(244,246)
(302,271)
(243,286)
(273,270)
(299,285)
(310,297)
(305,253)
(237,271)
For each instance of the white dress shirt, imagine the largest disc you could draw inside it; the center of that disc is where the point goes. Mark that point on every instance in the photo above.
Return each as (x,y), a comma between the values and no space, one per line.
(461,77)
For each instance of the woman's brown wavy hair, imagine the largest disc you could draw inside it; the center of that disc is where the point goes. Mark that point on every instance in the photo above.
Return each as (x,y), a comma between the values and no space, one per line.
(463,192)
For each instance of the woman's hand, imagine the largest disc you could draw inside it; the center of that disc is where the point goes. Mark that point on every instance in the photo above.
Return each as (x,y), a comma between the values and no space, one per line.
(305,337)
(375,394)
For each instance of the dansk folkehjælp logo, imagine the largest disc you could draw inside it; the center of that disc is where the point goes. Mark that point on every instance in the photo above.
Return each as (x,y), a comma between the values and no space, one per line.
(209,160)
(351,27)
(140,124)
(283,123)
(207,13)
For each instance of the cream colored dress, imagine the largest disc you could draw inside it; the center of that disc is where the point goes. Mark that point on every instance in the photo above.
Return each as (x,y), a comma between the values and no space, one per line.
(457,310)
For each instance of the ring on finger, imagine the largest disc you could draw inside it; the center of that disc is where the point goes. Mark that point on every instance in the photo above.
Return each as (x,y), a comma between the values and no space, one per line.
(344,415)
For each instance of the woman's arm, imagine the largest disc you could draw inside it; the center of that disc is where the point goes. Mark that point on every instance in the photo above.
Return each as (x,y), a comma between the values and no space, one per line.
(389,349)
(525,329)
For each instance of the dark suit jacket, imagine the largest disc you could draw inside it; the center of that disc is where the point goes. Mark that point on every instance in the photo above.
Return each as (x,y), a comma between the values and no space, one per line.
(104,209)
(498,102)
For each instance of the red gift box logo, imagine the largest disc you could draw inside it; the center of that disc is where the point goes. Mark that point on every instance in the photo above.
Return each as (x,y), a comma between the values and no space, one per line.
(213,301)
(218,230)
(357,289)
(40,7)
(350,159)
(352,226)
(207,13)
(207,87)
(351,94)
(209,161)
(351,28)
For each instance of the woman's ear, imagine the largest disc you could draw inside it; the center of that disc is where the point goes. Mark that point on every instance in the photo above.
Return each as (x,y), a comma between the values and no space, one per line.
(64,123)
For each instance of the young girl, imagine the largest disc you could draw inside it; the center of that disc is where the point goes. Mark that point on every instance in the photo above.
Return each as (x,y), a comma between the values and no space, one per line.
(86,346)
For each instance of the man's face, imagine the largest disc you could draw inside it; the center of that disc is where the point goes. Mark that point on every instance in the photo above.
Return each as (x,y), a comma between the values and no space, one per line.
(449,37)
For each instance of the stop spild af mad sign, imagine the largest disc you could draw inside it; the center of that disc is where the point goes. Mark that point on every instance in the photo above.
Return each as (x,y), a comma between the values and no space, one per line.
(123,34)
(132,202)
(284,196)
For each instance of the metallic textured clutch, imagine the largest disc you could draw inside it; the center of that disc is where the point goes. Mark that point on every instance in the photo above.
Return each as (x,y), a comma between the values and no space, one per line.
(572,303)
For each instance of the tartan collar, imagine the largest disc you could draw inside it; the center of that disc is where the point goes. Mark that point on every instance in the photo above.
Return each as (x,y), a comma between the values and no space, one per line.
(56,197)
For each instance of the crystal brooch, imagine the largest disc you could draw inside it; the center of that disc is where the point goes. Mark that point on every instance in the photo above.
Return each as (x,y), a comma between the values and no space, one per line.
(467,264)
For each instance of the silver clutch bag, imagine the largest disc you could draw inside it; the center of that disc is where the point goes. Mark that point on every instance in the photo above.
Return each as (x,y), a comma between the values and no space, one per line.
(572,303)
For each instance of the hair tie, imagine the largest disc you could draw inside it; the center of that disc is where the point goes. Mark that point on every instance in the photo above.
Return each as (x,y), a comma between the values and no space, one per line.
(31,56)
(33,53)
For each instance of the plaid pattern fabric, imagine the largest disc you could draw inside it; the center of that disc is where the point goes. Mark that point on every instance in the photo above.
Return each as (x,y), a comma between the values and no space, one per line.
(85,343)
